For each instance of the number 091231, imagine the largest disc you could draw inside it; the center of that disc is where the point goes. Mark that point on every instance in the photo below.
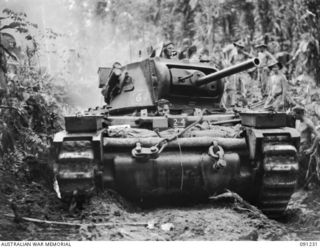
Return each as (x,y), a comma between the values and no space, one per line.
(309,243)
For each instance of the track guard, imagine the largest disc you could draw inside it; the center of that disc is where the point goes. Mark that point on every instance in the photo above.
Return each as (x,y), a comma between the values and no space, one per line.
(255,138)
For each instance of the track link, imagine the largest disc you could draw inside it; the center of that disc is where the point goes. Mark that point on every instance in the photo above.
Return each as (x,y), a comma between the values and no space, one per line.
(279,178)
(75,171)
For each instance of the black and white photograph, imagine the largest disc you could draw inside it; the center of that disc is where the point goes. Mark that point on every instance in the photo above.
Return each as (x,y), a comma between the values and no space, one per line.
(159,120)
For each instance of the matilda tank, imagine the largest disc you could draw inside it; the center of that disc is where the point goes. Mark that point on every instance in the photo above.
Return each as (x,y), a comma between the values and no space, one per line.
(188,153)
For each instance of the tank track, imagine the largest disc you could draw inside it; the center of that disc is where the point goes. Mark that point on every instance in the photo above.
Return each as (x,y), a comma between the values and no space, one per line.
(279,178)
(72,190)
(75,190)
(75,172)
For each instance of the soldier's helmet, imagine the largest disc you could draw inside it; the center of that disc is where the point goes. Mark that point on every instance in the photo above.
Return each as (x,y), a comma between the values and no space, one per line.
(239,44)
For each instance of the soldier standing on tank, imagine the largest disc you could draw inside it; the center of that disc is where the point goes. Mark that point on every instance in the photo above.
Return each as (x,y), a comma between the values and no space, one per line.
(265,58)
(278,88)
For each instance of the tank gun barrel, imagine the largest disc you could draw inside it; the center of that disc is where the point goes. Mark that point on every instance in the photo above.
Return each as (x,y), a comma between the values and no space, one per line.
(228,71)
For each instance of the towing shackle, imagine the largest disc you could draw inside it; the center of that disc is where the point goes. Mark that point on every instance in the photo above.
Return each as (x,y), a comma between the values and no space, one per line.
(217,153)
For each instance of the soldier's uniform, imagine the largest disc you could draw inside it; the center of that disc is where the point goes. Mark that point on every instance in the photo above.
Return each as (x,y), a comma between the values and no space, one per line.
(263,72)
(306,129)
(238,80)
(313,109)
(278,88)
(230,92)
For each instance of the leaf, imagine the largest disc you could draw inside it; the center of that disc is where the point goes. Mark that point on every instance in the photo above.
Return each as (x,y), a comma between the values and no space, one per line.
(193,4)
(22,30)
(304,45)
(9,53)
(277,27)
(28,37)
(7,11)
(11,25)
(317,46)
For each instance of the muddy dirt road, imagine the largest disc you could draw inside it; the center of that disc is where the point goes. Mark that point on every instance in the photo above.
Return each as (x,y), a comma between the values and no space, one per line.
(109,217)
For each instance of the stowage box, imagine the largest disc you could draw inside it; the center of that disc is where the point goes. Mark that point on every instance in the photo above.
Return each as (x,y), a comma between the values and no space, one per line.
(263,119)
(83,123)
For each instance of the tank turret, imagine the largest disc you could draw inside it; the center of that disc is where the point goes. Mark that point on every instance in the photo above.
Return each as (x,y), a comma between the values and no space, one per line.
(141,84)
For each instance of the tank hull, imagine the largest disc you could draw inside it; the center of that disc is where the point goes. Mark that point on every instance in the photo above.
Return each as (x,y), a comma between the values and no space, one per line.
(260,167)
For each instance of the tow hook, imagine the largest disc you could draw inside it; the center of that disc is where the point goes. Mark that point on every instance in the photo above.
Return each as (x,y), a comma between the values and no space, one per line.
(143,153)
(217,153)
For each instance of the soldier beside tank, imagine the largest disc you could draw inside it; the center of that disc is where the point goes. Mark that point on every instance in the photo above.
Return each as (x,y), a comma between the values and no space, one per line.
(313,109)
(278,88)
(236,88)
(306,128)
(309,140)
(263,72)
(238,54)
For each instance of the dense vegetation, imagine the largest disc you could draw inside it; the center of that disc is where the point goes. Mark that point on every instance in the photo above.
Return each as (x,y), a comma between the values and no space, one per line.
(30,105)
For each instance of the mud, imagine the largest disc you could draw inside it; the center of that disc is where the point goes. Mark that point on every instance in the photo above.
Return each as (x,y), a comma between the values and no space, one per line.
(107,216)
